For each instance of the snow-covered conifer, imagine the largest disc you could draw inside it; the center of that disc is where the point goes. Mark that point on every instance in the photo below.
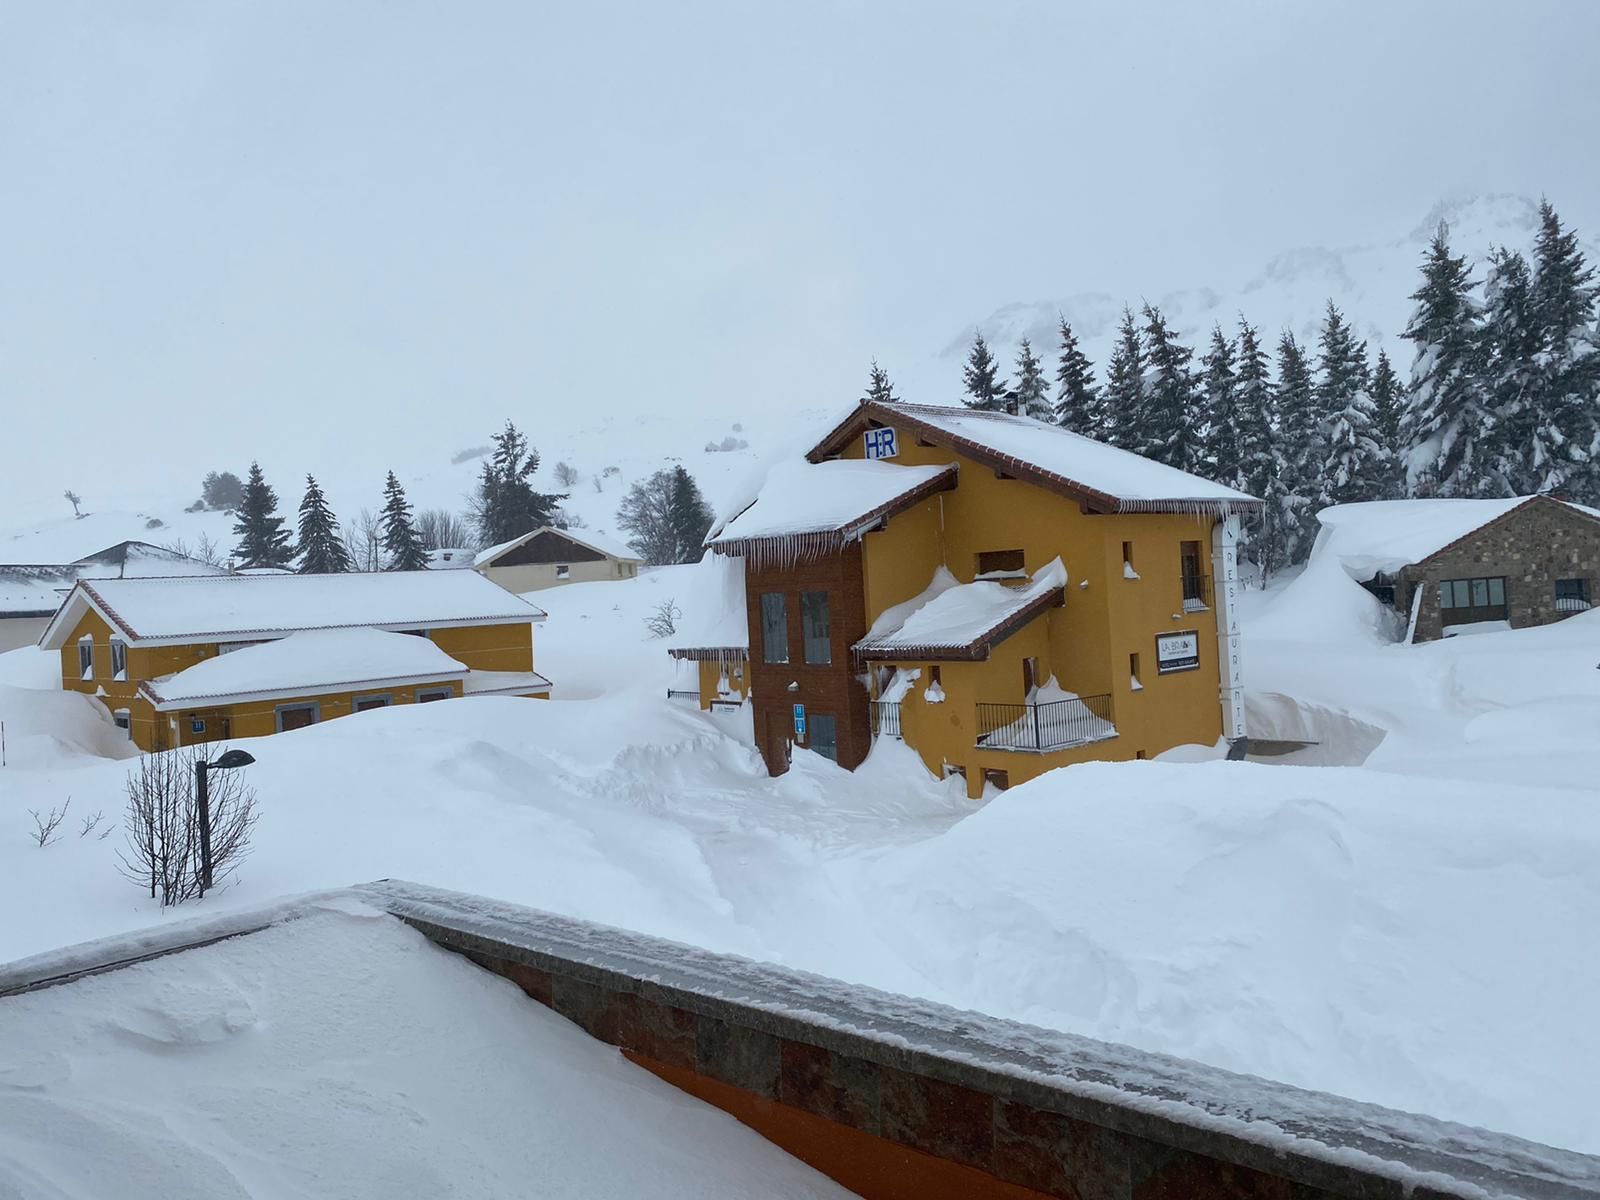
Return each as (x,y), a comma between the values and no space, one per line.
(1079,406)
(1169,431)
(401,542)
(1302,449)
(1355,463)
(1567,376)
(1387,398)
(1029,396)
(980,377)
(263,541)
(322,548)
(1444,418)
(1125,393)
(1220,457)
(879,389)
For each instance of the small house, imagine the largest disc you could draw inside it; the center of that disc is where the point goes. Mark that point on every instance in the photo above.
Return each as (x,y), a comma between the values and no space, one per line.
(1465,566)
(549,557)
(30,593)
(185,660)
(1001,594)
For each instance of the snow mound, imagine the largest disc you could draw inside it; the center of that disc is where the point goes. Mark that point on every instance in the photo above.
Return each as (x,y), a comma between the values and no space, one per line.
(57,729)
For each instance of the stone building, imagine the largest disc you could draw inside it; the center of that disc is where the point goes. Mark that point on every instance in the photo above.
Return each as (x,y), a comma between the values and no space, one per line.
(1454,566)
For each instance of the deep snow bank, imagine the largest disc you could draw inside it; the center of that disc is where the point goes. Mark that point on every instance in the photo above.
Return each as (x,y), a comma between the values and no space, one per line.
(341,1055)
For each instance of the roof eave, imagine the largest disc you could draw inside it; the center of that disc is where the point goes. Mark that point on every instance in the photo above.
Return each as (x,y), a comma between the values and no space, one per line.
(977,650)
(212,700)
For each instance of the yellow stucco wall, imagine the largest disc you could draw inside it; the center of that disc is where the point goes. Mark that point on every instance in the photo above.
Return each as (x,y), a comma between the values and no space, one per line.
(481,647)
(711,675)
(1085,644)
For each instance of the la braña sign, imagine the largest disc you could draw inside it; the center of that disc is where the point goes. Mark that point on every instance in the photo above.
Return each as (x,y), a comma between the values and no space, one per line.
(1177,651)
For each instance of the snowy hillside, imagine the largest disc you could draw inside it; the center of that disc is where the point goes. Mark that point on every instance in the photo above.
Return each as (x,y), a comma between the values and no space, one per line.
(1370,283)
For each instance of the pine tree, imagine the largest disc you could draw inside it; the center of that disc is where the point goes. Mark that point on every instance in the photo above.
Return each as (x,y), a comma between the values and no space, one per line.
(1260,454)
(1567,379)
(1301,448)
(1444,417)
(1356,464)
(980,377)
(1126,392)
(879,389)
(322,549)
(1169,431)
(400,539)
(507,506)
(1386,403)
(1028,397)
(1516,459)
(1220,457)
(1078,403)
(689,516)
(263,542)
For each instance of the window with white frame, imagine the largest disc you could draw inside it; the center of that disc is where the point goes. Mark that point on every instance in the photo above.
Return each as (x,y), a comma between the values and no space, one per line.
(123,720)
(86,656)
(119,659)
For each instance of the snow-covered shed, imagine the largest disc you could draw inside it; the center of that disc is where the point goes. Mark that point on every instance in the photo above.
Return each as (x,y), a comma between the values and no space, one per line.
(1450,566)
(184,660)
(549,557)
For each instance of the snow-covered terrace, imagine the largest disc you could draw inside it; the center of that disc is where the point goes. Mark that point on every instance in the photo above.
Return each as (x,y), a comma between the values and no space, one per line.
(960,621)
(805,509)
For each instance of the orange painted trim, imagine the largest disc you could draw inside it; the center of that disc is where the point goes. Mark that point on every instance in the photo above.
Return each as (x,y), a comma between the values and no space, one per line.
(870,1166)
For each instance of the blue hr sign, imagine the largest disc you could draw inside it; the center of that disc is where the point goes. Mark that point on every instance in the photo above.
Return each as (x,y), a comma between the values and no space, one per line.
(800,720)
(881,443)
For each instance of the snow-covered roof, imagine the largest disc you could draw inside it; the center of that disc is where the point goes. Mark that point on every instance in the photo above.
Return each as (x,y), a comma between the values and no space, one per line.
(37,589)
(716,623)
(1386,535)
(451,558)
(504,683)
(598,542)
(1102,476)
(309,663)
(244,607)
(951,620)
(823,505)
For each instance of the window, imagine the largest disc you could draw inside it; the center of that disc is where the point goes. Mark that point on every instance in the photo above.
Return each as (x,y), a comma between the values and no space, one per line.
(1133,672)
(1030,677)
(1140,755)
(197,724)
(435,694)
(297,716)
(824,736)
(774,628)
(363,703)
(86,657)
(563,571)
(1127,554)
(1003,563)
(814,621)
(1473,594)
(951,771)
(933,674)
(1194,578)
(1572,595)
(119,659)
(123,720)
(1001,780)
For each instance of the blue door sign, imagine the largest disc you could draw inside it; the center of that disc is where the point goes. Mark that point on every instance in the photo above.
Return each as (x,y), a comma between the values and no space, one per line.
(800,721)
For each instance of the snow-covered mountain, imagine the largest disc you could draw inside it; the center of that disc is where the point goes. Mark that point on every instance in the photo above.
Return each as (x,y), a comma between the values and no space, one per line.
(1370,283)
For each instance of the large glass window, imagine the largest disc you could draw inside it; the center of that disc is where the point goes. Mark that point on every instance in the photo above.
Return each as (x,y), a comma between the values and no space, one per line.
(814,619)
(1473,593)
(774,628)
(823,736)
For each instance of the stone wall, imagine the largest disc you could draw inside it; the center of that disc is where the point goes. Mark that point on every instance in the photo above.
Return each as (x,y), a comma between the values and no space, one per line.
(1532,546)
(902,1099)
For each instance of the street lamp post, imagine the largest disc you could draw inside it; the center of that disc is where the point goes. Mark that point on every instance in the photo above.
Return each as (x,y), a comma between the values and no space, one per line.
(229,760)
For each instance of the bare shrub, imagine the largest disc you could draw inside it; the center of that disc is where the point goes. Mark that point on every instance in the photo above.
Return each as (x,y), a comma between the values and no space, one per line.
(663,620)
(566,474)
(44,828)
(441,529)
(91,823)
(205,550)
(163,824)
(363,537)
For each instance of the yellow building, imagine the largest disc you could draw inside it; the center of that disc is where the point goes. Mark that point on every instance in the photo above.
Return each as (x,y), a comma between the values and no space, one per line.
(1004,595)
(186,660)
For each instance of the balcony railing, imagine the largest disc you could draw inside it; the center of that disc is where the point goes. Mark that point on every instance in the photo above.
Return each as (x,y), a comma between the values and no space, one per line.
(886,718)
(683,694)
(1572,604)
(1053,725)
(1196,593)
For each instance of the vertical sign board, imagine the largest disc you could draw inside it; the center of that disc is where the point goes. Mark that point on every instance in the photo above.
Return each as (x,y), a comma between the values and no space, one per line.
(800,722)
(1225,568)
(882,443)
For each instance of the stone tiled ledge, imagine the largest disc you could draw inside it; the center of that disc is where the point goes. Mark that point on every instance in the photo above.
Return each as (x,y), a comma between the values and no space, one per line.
(1034,1108)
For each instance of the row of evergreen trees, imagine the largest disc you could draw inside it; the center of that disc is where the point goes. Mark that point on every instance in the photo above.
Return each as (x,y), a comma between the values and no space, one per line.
(1503,397)
(320,547)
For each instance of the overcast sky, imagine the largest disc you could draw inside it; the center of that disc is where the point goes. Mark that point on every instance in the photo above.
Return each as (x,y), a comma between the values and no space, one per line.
(228,229)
